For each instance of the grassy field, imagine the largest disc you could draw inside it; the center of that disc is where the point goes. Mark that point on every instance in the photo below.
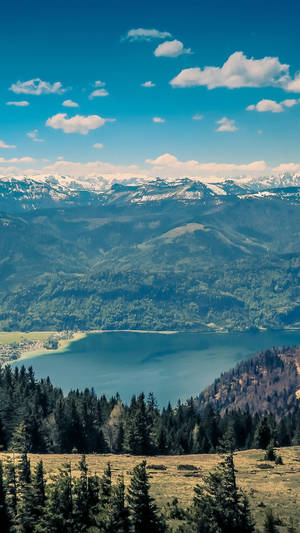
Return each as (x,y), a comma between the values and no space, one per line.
(277,486)
(9,337)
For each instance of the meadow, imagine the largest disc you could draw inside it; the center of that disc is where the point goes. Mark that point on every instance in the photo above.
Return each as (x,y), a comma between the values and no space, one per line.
(266,484)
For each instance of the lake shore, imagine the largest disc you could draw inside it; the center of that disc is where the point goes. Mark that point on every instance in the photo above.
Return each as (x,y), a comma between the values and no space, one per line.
(27,351)
(62,346)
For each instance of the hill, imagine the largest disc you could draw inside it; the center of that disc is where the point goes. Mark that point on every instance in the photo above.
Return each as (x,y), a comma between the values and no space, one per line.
(162,255)
(269,382)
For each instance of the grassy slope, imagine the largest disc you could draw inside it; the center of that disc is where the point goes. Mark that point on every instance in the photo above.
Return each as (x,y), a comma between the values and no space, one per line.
(277,487)
(9,337)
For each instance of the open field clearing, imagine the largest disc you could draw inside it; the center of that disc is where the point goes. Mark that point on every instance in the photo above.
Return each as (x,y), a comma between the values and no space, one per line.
(10,337)
(266,484)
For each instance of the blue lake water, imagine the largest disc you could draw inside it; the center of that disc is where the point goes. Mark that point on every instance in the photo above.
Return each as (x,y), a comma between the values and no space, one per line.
(172,366)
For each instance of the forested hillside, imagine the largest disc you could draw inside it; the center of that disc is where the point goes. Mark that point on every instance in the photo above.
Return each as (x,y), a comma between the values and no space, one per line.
(268,382)
(37,417)
(153,257)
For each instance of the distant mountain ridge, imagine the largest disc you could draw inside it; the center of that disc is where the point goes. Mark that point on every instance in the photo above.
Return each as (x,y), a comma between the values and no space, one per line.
(19,194)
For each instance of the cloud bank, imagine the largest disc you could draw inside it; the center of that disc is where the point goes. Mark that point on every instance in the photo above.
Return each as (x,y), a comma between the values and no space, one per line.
(166,166)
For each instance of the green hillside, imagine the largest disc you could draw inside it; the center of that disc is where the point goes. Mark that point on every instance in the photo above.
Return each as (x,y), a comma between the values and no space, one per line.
(230,264)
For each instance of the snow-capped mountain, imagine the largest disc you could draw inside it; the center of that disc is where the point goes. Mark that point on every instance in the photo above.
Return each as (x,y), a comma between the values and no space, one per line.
(50,191)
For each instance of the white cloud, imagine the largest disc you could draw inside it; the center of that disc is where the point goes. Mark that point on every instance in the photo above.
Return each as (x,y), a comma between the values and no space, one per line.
(19,103)
(148,84)
(225,124)
(272,106)
(4,145)
(293,86)
(18,160)
(290,102)
(70,103)
(142,34)
(34,135)
(158,120)
(166,166)
(170,165)
(287,168)
(237,71)
(97,93)
(37,87)
(98,145)
(197,117)
(266,105)
(171,49)
(99,83)
(77,124)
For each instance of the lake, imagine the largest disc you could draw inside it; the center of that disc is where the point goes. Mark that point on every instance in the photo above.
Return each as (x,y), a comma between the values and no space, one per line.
(172,366)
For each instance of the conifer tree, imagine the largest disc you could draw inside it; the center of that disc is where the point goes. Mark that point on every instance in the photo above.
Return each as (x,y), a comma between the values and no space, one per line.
(143,510)
(81,504)
(24,520)
(263,433)
(219,506)
(119,519)
(10,489)
(4,517)
(58,516)
(19,442)
(38,491)
(103,511)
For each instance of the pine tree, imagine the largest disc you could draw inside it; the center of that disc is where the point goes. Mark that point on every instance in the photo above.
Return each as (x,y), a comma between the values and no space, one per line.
(137,438)
(81,507)
(10,489)
(119,519)
(38,492)
(263,433)
(143,510)
(4,517)
(19,442)
(219,506)
(58,516)
(24,520)
(270,454)
(103,511)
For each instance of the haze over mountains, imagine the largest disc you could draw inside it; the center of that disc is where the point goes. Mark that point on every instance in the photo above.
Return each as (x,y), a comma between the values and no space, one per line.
(162,254)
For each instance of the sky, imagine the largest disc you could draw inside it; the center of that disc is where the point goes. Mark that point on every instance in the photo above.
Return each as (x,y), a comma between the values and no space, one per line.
(161,88)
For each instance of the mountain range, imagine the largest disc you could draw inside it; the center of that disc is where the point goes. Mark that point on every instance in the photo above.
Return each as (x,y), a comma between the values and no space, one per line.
(19,194)
(160,254)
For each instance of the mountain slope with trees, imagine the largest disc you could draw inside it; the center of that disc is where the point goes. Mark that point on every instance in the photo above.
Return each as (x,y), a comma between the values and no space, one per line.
(268,382)
(216,262)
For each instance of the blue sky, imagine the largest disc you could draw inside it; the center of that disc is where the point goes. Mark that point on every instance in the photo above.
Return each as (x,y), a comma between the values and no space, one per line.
(78,47)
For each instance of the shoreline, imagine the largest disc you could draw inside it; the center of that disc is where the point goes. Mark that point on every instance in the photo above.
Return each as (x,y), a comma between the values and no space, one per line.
(64,344)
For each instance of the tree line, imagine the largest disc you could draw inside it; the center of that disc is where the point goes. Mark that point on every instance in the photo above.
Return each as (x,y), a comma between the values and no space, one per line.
(37,417)
(87,503)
